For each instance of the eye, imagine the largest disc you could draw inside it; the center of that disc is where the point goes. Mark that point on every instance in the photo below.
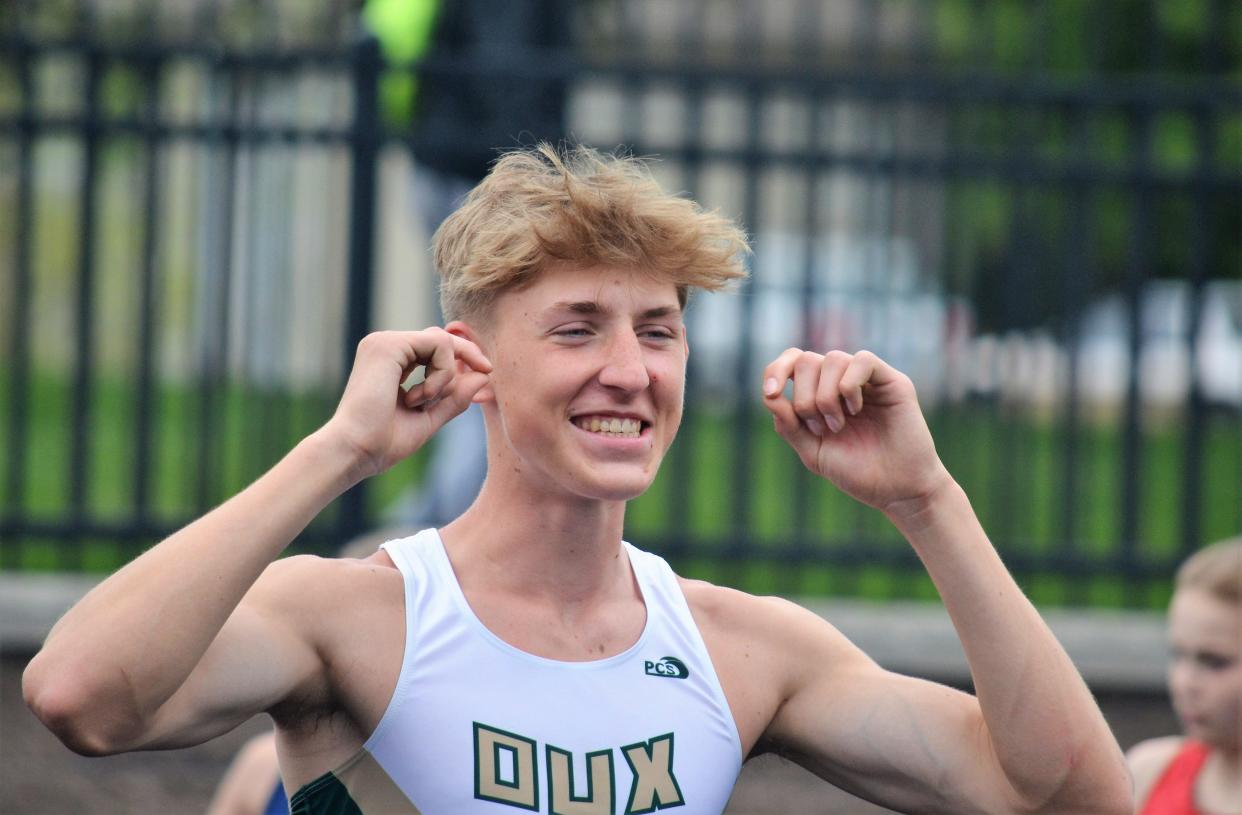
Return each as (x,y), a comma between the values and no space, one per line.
(572,331)
(659,332)
(1214,662)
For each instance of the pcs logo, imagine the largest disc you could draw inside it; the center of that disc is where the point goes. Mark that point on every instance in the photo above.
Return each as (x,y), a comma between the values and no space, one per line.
(670,667)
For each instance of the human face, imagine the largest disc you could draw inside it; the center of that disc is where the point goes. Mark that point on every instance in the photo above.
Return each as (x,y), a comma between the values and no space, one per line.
(1205,674)
(578,350)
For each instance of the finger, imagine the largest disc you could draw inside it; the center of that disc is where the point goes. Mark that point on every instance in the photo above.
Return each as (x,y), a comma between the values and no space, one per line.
(471,354)
(440,367)
(457,397)
(790,428)
(778,373)
(828,394)
(806,376)
(861,370)
(415,396)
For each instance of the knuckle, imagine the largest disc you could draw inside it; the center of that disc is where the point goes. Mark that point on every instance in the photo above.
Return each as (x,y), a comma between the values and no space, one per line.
(838,356)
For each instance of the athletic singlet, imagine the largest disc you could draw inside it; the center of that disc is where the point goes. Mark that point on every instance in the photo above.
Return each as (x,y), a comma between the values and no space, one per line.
(1174,792)
(478,727)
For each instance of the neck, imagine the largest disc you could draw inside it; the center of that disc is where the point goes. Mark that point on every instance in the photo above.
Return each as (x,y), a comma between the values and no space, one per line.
(566,547)
(1229,763)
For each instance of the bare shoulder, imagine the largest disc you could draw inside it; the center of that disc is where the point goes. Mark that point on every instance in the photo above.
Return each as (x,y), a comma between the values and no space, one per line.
(344,609)
(306,583)
(351,613)
(1147,761)
(771,624)
(764,649)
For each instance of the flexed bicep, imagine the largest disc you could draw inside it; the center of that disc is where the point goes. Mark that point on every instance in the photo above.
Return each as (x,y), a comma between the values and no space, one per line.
(262,656)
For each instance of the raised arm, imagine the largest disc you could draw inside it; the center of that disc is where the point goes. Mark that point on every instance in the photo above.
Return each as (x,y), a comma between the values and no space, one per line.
(1032,740)
(165,652)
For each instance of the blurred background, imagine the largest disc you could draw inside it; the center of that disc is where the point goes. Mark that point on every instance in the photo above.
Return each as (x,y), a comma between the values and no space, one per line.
(1030,206)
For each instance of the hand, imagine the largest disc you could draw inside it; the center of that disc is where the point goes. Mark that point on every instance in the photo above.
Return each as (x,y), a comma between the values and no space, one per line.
(378,422)
(855,421)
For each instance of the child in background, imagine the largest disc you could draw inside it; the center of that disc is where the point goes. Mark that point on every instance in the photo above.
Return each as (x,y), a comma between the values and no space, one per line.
(1200,772)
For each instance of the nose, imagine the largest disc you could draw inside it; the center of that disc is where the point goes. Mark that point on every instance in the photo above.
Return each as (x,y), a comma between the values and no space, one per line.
(625,367)
(1182,684)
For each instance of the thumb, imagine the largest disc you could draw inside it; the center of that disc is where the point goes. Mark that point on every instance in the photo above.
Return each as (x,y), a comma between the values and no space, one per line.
(456,398)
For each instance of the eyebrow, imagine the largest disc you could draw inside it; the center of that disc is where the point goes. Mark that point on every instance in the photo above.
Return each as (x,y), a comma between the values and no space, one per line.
(592,307)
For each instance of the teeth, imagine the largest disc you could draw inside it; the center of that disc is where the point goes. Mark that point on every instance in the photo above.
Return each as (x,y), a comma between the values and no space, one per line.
(610,426)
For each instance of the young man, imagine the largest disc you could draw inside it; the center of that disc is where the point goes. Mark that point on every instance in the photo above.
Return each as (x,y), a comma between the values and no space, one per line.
(524,656)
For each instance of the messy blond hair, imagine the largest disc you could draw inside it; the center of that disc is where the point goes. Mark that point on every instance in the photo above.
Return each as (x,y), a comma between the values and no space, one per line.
(542,205)
(1216,569)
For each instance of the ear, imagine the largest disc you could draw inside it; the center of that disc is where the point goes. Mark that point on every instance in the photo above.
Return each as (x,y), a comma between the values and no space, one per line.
(458,328)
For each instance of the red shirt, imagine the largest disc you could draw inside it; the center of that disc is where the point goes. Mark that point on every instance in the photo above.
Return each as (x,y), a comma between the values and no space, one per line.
(1174,792)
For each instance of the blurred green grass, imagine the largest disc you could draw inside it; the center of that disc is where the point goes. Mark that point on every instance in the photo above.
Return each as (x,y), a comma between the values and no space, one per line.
(1011,465)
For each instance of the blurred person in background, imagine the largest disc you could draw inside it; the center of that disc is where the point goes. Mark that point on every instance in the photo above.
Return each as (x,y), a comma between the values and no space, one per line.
(1200,771)
(458,120)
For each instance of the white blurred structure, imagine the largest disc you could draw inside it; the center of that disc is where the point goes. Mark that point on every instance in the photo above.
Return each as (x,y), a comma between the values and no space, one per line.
(1032,368)
(866,292)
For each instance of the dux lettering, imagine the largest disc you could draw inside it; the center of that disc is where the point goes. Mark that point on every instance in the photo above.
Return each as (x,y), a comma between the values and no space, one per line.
(508,770)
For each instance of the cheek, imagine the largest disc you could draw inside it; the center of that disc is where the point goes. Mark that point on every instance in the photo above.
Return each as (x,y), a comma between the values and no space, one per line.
(1227,691)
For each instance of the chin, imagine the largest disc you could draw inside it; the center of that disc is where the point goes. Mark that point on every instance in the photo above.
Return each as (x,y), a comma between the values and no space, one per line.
(618,487)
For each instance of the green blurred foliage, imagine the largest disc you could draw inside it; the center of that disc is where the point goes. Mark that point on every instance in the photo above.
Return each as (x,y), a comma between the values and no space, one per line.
(1144,160)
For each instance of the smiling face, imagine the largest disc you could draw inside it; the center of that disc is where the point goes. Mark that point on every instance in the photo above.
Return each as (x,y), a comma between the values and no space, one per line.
(587,389)
(1205,674)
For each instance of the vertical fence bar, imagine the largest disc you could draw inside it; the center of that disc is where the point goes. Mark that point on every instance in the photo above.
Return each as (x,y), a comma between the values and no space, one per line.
(19,329)
(145,417)
(213,373)
(1201,229)
(83,384)
(1135,278)
(810,229)
(682,455)
(869,113)
(1076,263)
(743,438)
(364,141)
(809,19)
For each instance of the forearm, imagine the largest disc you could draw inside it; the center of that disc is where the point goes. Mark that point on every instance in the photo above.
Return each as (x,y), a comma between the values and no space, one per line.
(1046,730)
(133,640)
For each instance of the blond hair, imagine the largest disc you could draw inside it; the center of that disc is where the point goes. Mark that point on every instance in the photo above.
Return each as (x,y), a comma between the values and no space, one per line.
(1216,569)
(542,205)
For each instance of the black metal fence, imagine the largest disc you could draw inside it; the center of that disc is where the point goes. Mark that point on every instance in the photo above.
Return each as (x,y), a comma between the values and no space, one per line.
(1031,208)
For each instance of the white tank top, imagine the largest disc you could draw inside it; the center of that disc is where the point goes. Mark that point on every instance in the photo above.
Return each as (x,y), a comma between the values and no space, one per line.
(476,725)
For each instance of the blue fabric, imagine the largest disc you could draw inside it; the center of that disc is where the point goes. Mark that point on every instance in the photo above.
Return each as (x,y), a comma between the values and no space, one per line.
(278,804)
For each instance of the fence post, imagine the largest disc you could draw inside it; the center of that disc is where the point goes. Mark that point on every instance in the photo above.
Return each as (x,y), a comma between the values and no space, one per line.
(364,148)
